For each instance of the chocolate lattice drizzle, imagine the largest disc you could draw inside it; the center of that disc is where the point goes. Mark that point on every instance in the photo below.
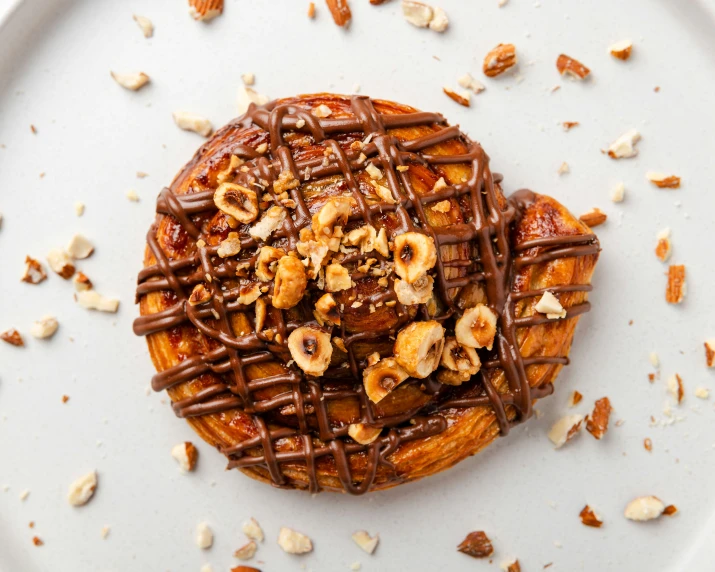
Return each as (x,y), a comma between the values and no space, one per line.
(488,220)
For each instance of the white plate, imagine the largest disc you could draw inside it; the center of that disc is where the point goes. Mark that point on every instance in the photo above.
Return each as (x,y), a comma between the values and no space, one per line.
(92,136)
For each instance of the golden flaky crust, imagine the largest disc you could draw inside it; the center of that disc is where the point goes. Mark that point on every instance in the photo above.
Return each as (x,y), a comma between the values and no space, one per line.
(468,429)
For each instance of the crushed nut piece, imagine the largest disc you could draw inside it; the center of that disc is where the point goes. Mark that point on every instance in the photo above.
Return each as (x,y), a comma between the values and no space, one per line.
(477,545)
(82,490)
(663,248)
(271,221)
(131,81)
(79,208)
(418,293)
(663,181)
(34,271)
(253,530)
(676,287)
(461,98)
(563,168)
(365,541)
(131,194)
(92,300)
(247,96)
(231,246)
(670,510)
(37,541)
(193,122)
(644,508)
(204,536)
(575,399)
(648,444)
(418,348)
(468,82)
(565,429)
(247,551)
(499,60)
(205,10)
(340,11)
(363,434)
(710,353)
(415,254)
(294,542)
(311,10)
(569,125)
(589,518)
(597,422)
(81,282)
(248,78)
(549,304)
(625,146)
(145,24)
(621,50)
(675,388)
(594,217)
(572,67)
(79,247)
(60,263)
(290,283)
(337,278)
(12,337)
(44,328)
(618,193)
(186,455)
(702,392)
(417,13)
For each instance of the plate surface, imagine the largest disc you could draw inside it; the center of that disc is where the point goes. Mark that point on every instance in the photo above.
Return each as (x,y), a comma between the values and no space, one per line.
(92,137)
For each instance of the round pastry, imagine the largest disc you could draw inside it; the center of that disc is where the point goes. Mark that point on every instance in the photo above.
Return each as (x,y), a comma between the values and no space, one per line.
(337,295)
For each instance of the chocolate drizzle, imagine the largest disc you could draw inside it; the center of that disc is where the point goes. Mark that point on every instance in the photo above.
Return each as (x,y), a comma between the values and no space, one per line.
(488,226)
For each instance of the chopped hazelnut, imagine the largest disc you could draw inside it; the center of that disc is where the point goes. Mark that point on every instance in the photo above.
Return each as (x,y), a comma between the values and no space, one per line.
(145,25)
(644,508)
(710,353)
(625,146)
(589,518)
(44,328)
(205,10)
(34,271)
(186,455)
(676,287)
(597,422)
(565,429)
(365,541)
(294,542)
(131,81)
(477,545)
(549,304)
(663,181)
(82,490)
(572,67)
(253,530)
(193,122)
(12,337)
(92,300)
(204,536)
(621,50)
(60,263)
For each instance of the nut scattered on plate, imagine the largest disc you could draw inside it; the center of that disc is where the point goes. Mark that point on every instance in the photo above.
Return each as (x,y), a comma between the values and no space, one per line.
(575,398)
(92,300)
(82,490)
(425,16)
(594,217)
(44,328)
(676,287)
(621,50)
(644,508)
(702,392)
(365,541)
(34,271)
(569,125)
(311,10)
(618,193)
(563,168)
(247,95)
(79,247)
(461,98)
(193,122)
(13,337)
(131,81)
(572,67)
(663,181)
(468,82)
(589,518)
(675,387)
(510,565)
(648,444)
(253,530)
(340,11)
(205,10)
(663,248)
(131,194)
(625,146)
(81,282)
(565,429)
(477,545)
(248,78)
(499,60)
(294,542)
(247,551)
(186,455)
(60,263)
(79,208)
(204,536)
(145,25)
(597,422)
(710,353)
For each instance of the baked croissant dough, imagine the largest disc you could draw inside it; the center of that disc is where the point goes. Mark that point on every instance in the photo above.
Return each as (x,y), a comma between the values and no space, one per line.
(337,295)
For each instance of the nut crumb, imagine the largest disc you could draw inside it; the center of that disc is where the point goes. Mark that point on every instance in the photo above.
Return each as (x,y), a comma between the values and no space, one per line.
(569,125)
(589,518)
(676,287)
(145,25)
(597,422)
(565,429)
(675,387)
(12,337)
(104,532)
(572,67)
(253,530)
(44,328)
(37,541)
(34,271)
(247,551)
(644,508)
(340,11)
(79,208)
(204,536)
(625,146)
(205,10)
(575,398)
(468,82)
(663,181)
(648,444)
(131,81)
(193,122)
(710,353)
(79,247)
(702,392)
(131,194)
(594,217)
(618,193)
(311,10)
(663,248)
(477,545)
(82,490)
(621,50)
(294,542)
(365,541)
(186,455)
(461,98)
(92,300)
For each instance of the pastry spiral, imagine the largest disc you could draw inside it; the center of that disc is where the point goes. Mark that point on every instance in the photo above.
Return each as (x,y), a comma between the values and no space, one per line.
(338,296)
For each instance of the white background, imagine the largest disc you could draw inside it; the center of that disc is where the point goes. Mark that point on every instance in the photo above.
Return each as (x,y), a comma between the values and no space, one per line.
(55,58)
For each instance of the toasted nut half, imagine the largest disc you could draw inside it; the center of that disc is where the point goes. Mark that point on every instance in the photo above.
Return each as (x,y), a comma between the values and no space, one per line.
(365,541)
(334,212)
(381,378)
(294,542)
(477,327)
(82,490)
(237,201)
(290,283)
(418,347)
(572,67)
(268,255)
(644,508)
(199,295)
(363,434)
(311,349)
(326,310)
(186,455)
(418,293)
(499,60)
(415,254)
(457,357)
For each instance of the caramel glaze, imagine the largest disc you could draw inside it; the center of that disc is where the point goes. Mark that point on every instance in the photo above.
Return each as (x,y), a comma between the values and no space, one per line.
(492,259)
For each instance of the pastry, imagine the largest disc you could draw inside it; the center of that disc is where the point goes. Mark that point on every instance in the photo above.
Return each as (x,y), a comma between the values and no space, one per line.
(337,295)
